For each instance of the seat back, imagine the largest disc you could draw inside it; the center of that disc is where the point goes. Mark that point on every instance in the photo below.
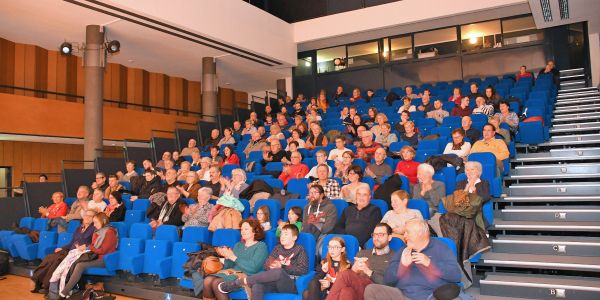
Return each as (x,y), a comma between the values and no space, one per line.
(167,233)
(63,239)
(140,231)
(352,245)
(340,205)
(40,224)
(298,186)
(73,225)
(383,206)
(180,256)
(274,182)
(274,209)
(26,222)
(196,234)
(488,164)
(122,229)
(134,216)
(420,205)
(155,250)
(141,204)
(129,247)
(307,241)
(291,203)
(449,242)
(47,243)
(395,244)
(226,237)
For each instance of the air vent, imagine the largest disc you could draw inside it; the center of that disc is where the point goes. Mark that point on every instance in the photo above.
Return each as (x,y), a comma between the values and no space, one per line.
(564,9)
(546,10)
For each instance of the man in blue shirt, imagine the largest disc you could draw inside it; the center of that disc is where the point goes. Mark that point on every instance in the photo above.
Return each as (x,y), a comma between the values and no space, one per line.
(423,267)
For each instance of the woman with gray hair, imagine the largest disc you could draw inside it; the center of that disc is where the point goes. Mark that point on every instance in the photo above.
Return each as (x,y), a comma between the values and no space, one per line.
(236,185)
(474,183)
(204,172)
(428,189)
(197,214)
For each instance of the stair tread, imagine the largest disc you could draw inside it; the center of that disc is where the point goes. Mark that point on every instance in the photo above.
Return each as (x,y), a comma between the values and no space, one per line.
(540,238)
(561,165)
(543,279)
(527,185)
(548,198)
(592,262)
(554,207)
(579,226)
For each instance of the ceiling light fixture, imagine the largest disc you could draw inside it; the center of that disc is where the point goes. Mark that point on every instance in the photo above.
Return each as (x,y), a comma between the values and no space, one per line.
(66,48)
(113,47)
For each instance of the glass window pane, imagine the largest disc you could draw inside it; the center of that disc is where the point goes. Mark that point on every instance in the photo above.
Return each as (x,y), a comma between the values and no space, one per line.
(436,42)
(401,48)
(304,66)
(331,59)
(520,30)
(481,36)
(363,54)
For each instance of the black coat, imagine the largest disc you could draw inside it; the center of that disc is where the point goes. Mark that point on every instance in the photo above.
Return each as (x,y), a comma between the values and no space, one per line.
(118,214)
(150,187)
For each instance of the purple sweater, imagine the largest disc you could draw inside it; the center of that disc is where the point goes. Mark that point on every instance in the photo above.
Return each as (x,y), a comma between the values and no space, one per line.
(417,281)
(80,238)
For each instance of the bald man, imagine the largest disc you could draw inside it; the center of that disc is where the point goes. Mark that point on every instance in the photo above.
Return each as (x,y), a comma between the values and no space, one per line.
(359,220)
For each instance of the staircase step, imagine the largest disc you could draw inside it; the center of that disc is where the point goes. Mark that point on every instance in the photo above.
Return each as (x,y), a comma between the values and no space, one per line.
(574,96)
(573,76)
(579,101)
(547,245)
(532,261)
(556,155)
(564,189)
(591,125)
(552,176)
(566,72)
(567,91)
(559,213)
(539,286)
(501,224)
(577,108)
(572,83)
(548,199)
(562,169)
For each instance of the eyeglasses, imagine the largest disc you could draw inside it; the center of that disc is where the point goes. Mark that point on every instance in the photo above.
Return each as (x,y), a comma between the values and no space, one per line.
(334,247)
(379,234)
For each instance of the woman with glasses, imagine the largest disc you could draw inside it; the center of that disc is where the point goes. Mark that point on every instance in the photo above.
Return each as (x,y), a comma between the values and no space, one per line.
(355,174)
(341,167)
(327,270)
(191,186)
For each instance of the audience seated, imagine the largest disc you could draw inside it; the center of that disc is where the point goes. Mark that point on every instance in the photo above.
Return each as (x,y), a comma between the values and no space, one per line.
(177,158)
(428,189)
(369,267)
(472,133)
(196,158)
(385,137)
(322,102)
(165,157)
(229,156)
(418,269)
(263,216)
(113,186)
(236,185)
(348,191)
(216,182)
(296,169)
(501,133)
(399,215)
(256,144)
(339,93)
(215,158)
(407,166)
(427,105)
(191,186)
(506,116)
(275,153)
(523,73)
(150,186)
(482,108)
(82,237)
(380,120)
(187,151)
(245,259)
(462,109)
(321,157)
(276,133)
(378,169)
(295,137)
(320,215)
(249,128)
(100,182)
(340,148)
(404,117)
(286,261)
(198,214)
(407,105)
(170,180)
(355,95)
(458,145)
(360,219)
(75,212)
(474,88)
(130,167)
(170,212)
(438,113)
(213,140)
(409,92)
(456,96)
(492,98)
(410,135)
(97,203)
(330,186)
(184,168)
(490,144)
(226,213)
(367,147)
(237,128)
(115,210)
(327,271)
(104,241)
(316,137)
(294,218)
(204,171)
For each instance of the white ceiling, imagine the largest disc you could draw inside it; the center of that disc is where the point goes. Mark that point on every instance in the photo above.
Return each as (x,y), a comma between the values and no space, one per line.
(48,23)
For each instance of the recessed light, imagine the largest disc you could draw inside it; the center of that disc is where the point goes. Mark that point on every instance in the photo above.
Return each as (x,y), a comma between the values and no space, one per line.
(131,60)
(227,83)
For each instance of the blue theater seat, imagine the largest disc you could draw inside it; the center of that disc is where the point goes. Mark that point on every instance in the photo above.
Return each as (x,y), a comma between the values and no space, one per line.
(196,234)
(395,244)
(352,245)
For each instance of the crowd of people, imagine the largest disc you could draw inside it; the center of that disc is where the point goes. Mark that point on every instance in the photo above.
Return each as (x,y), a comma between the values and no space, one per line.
(186,188)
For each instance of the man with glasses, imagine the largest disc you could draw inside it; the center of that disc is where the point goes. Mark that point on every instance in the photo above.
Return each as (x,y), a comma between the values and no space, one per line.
(100,182)
(366,149)
(359,220)
(295,170)
(340,147)
(320,215)
(369,267)
(424,269)
(82,237)
(489,143)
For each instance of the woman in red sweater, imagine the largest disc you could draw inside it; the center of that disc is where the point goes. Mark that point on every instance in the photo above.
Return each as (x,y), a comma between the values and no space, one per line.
(229,156)
(407,166)
(104,241)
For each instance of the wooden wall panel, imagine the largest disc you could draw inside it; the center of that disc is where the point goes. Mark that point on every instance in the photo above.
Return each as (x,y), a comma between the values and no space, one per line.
(80,78)
(7,65)
(175,94)
(226,100)
(52,72)
(61,76)
(71,77)
(29,157)
(19,68)
(194,96)
(41,71)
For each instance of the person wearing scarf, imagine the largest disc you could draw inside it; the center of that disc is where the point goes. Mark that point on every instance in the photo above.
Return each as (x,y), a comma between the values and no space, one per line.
(115,210)
(170,212)
(104,241)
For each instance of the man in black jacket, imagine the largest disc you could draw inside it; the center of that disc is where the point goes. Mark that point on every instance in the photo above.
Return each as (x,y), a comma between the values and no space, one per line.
(169,213)
(150,186)
(359,220)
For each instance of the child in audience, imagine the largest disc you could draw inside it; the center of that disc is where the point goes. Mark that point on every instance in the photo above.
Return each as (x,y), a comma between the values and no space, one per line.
(263,217)
(294,218)
(327,271)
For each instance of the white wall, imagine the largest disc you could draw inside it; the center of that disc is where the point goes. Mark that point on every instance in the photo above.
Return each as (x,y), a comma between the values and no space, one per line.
(233,22)
(388,15)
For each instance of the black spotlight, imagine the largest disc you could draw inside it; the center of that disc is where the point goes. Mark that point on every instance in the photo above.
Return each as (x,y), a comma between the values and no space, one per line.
(66,48)
(113,46)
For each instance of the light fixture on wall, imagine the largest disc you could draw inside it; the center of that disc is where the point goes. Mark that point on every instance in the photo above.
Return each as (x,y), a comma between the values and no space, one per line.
(113,47)
(66,48)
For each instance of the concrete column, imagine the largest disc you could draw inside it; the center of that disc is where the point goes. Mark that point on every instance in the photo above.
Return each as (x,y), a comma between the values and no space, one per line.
(94,58)
(209,89)
(594,41)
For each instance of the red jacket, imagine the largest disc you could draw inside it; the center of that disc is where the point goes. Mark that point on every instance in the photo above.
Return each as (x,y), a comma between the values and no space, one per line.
(409,169)
(57,210)
(294,171)
(231,160)
(109,244)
